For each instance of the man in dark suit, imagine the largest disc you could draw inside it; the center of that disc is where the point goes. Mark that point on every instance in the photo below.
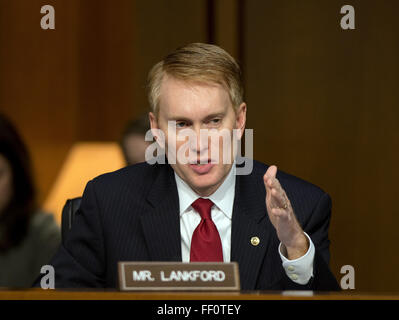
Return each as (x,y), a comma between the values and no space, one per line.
(195,207)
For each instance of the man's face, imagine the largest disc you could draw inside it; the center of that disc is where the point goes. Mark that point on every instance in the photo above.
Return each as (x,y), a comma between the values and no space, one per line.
(197,106)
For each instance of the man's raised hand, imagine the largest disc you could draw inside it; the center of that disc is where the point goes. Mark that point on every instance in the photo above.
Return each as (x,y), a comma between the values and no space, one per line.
(282,216)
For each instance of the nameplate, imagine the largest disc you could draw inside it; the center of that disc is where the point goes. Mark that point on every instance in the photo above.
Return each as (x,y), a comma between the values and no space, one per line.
(171,276)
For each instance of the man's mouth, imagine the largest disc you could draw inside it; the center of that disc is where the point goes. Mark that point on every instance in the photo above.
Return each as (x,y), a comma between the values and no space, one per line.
(202,167)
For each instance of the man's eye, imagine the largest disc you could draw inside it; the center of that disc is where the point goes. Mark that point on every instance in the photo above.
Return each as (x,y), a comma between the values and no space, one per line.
(215,121)
(180,124)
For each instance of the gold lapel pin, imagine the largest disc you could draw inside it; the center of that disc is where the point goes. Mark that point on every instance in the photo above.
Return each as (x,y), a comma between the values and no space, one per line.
(255,241)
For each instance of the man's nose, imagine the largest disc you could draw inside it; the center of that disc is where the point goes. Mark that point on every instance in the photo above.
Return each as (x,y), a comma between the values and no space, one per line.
(201,141)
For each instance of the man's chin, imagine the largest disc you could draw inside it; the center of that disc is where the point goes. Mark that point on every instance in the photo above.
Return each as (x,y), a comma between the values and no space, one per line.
(203,184)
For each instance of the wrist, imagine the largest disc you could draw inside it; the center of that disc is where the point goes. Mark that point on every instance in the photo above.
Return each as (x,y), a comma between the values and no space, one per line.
(297,248)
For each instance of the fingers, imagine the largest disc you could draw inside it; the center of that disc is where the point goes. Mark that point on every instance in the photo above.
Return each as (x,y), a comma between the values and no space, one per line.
(270,179)
(279,198)
(270,174)
(281,213)
(276,196)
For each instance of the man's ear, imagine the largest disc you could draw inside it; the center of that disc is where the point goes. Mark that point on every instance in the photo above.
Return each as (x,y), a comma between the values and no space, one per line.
(156,132)
(153,124)
(241,118)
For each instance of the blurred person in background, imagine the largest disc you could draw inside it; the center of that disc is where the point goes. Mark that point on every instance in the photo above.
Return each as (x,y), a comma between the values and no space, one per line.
(133,142)
(28,236)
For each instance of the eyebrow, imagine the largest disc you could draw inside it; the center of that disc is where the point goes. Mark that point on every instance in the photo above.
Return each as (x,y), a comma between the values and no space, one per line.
(209,117)
(215,115)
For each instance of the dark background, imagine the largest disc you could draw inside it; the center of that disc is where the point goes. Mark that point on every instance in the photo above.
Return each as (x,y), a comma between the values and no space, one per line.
(323,102)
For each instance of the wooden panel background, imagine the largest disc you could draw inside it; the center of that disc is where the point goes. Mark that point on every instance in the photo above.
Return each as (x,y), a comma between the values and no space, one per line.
(323,102)
(324,105)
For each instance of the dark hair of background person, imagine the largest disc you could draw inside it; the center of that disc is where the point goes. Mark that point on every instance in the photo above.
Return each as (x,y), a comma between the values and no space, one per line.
(15,218)
(138,126)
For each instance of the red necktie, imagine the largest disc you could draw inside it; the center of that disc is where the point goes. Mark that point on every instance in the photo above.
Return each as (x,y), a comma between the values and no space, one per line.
(205,243)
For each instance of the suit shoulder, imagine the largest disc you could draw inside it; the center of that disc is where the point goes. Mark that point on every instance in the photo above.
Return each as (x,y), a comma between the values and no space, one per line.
(288,180)
(133,176)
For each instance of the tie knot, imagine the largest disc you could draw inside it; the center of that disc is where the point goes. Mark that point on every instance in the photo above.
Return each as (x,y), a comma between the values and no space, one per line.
(203,207)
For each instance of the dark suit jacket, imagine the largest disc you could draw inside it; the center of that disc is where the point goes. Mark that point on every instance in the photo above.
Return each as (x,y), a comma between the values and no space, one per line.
(133,215)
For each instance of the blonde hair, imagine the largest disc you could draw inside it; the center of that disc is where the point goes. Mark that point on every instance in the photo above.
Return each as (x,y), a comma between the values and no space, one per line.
(198,62)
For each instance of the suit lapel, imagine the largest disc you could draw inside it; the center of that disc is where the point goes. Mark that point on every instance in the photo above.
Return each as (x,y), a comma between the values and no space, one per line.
(161,224)
(249,221)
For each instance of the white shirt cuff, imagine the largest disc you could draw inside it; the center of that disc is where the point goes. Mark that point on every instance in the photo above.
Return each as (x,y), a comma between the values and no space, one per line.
(299,270)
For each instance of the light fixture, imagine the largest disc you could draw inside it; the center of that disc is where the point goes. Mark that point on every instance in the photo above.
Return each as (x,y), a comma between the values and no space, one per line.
(85,161)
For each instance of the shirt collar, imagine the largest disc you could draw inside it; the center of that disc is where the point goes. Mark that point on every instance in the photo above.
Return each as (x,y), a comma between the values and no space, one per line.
(223,197)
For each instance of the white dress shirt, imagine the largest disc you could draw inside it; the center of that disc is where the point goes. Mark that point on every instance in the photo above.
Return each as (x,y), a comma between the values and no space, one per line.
(299,270)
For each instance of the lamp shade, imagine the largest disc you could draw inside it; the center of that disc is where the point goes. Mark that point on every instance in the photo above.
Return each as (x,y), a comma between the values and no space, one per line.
(85,161)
